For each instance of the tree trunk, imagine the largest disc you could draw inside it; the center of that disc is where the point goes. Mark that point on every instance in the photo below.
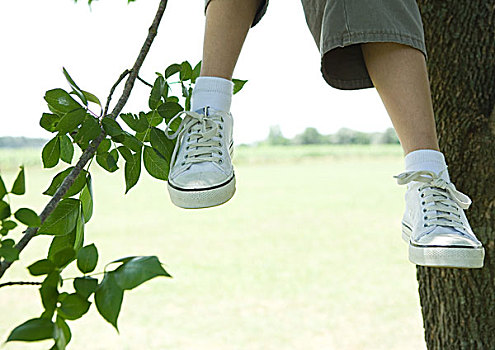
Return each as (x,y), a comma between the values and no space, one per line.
(458,305)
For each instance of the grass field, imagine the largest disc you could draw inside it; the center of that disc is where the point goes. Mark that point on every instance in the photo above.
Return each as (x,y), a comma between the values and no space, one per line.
(307,256)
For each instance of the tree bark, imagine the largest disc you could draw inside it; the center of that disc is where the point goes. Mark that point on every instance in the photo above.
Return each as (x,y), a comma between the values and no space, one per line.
(458,305)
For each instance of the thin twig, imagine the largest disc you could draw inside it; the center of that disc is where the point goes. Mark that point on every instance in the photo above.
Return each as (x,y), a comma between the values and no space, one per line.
(109,98)
(20,283)
(144,81)
(90,151)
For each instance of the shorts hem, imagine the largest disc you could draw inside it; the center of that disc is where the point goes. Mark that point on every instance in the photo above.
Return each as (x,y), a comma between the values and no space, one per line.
(345,39)
(351,38)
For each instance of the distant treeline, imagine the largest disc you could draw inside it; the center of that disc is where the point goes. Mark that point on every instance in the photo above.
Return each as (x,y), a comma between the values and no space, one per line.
(311,136)
(21,142)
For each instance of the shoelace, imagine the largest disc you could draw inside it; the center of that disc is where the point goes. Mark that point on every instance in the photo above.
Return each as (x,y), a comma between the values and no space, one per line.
(201,129)
(445,198)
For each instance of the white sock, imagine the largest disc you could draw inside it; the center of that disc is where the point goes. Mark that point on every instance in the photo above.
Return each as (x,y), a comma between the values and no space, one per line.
(427,159)
(215,92)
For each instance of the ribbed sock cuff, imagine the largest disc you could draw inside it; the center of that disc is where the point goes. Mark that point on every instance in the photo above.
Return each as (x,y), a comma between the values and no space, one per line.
(215,92)
(427,159)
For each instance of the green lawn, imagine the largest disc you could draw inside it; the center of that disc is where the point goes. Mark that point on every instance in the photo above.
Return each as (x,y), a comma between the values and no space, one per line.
(307,255)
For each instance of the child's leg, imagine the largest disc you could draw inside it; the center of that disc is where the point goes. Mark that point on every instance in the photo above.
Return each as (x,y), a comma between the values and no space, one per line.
(400,76)
(227,24)
(434,222)
(201,173)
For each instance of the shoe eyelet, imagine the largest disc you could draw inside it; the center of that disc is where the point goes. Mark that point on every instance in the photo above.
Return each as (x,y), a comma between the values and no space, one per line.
(183,163)
(221,127)
(419,189)
(425,217)
(220,161)
(423,203)
(220,153)
(422,195)
(221,118)
(425,225)
(424,210)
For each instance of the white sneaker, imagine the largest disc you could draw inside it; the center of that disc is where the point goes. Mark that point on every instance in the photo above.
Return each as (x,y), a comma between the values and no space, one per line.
(434,223)
(201,172)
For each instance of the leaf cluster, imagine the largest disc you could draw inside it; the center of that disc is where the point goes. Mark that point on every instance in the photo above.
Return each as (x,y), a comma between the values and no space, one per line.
(142,140)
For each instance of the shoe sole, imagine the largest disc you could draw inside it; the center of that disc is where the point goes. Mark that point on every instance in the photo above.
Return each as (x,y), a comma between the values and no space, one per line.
(202,198)
(459,257)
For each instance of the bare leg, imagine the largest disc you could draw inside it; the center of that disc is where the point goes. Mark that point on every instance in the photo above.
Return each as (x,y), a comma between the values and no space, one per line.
(227,24)
(400,76)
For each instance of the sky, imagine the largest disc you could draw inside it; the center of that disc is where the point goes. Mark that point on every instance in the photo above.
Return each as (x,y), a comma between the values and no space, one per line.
(279,59)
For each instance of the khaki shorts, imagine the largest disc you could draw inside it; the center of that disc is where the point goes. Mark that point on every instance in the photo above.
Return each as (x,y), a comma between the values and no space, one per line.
(340,26)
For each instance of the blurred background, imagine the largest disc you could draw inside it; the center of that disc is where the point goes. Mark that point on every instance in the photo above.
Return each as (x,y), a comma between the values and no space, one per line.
(308,253)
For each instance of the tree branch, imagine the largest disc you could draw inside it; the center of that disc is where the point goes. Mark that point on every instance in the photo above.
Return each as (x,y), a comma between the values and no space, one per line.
(144,81)
(109,98)
(20,283)
(90,151)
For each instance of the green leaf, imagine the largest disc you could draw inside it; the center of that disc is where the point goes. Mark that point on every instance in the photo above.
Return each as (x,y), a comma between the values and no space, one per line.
(172,69)
(79,240)
(155,164)
(63,257)
(238,85)
(9,224)
(107,161)
(92,98)
(61,242)
(3,189)
(162,143)
(108,299)
(138,270)
(66,149)
(51,153)
(73,307)
(74,86)
(87,258)
(196,72)
(76,186)
(185,71)
(19,186)
(168,110)
(188,99)
(125,152)
(156,93)
(136,123)
(165,91)
(154,118)
(41,267)
(128,140)
(71,120)
(89,130)
(49,122)
(86,198)
(62,333)
(85,286)
(33,330)
(49,293)
(173,99)
(104,146)
(111,127)
(60,102)
(132,171)
(4,210)
(28,217)
(9,253)
(63,219)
